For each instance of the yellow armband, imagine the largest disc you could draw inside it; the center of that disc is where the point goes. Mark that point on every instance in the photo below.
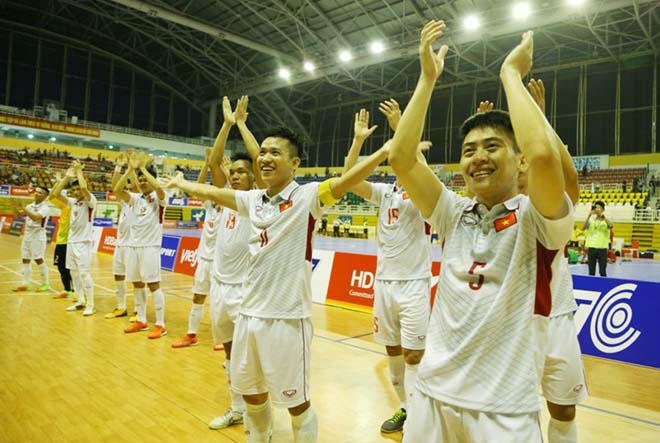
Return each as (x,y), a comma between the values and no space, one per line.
(325,194)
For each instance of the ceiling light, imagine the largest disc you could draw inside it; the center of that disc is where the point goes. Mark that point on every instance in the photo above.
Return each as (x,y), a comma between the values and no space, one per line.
(521,10)
(471,22)
(345,56)
(284,73)
(377,47)
(309,66)
(52,139)
(575,3)
(111,147)
(30,136)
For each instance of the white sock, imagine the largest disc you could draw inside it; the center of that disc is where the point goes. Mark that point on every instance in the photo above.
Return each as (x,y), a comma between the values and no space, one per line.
(237,402)
(562,431)
(397,371)
(159,306)
(27,273)
(78,286)
(121,294)
(140,298)
(258,421)
(305,426)
(195,317)
(43,269)
(88,284)
(409,381)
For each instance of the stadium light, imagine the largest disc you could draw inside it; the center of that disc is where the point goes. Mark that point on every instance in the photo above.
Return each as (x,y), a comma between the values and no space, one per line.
(52,139)
(111,147)
(471,22)
(309,66)
(284,73)
(575,3)
(345,56)
(521,10)
(376,47)
(30,136)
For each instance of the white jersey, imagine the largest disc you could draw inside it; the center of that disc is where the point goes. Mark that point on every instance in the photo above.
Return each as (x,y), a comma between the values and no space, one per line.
(279,280)
(206,247)
(82,218)
(561,285)
(124,223)
(36,230)
(404,248)
(495,277)
(148,213)
(232,255)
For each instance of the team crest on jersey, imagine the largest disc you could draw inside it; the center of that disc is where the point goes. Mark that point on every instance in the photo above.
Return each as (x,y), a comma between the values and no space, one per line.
(506,222)
(421,337)
(285,205)
(578,388)
(469,219)
(405,196)
(151,200)
(290,392)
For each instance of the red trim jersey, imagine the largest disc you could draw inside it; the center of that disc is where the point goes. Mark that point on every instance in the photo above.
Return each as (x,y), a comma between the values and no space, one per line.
(36,230)
(82,219)
(404,247)
(278,284)
(561,286)
(496,274)
(148,213)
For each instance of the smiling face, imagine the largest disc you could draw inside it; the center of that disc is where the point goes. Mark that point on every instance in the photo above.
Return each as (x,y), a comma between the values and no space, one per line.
(240,175)
(276,164)
(144,185)
(40,195)
(490,164)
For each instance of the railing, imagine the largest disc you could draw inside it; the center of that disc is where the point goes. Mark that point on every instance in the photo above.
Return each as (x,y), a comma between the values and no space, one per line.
(647,215)
(31,113)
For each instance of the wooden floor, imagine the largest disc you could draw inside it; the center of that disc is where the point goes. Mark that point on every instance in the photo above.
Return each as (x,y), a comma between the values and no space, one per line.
(68,378)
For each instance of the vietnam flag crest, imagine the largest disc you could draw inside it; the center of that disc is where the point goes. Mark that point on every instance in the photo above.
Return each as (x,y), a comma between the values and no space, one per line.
(505,222)
(285,205)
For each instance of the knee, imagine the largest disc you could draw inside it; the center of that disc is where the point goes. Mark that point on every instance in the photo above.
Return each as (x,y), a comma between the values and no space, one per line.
(256,399)
(297,410)
(138,285)
(198,299)
(561,412)
(154,286)
(120,277)
(413,357)
(227,347)
(39,261)
(393,351)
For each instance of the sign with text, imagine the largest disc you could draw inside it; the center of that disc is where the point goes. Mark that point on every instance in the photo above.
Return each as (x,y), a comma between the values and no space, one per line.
(186,259)
(108,241)
(168,251)
(46,125)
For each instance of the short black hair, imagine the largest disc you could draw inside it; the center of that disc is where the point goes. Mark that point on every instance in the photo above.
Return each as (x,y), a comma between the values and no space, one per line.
(151,169)
(295,140)
(43,188)
(600,203)
(241,155)
(493,119)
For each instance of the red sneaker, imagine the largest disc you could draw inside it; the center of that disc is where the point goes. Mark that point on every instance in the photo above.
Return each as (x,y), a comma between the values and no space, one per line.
(187,340)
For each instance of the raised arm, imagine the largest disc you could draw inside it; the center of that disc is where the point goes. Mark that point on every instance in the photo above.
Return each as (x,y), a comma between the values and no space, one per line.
(78,168)
(537,89)
(545,184)
(120,162)
(119,189)
(350,179)
(143,160)
(361,131)
(390,108)
(417,178)
(201,178)
(60,202)
(56,192)
(217,176)
(251,143)
(223,196)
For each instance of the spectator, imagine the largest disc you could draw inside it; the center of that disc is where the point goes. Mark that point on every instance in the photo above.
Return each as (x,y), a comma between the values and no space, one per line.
(335,227)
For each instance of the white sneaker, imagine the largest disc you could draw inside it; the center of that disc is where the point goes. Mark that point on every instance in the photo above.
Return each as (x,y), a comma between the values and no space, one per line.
(230,417)
(73,308)
(89,311)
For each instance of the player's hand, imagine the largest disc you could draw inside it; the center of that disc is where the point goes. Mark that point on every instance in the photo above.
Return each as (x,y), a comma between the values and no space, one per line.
(121,160)
(240,113)
(58,176)
(485,106)
(432,63)
(519,60)
(71,172)
(226,165)
(537,89)
(424,146)
(361,127)
(227,113)
(134,160)
(168,182)
(390,108)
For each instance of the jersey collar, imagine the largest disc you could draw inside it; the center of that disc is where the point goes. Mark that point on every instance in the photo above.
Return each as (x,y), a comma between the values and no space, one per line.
(284,194)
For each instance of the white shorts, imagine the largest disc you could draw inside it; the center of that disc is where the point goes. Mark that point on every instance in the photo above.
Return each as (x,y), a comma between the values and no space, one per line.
(33,249)
(79,256)
(225,302)
(560,368)
(119,260)
(432,421)
(143,264)
(401,312)
(202,281)
(272,355)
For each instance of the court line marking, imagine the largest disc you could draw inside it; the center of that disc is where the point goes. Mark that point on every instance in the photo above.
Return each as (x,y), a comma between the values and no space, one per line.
(619,414)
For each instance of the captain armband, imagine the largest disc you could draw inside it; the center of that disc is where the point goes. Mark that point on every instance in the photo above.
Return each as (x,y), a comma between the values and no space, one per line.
(325,194)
